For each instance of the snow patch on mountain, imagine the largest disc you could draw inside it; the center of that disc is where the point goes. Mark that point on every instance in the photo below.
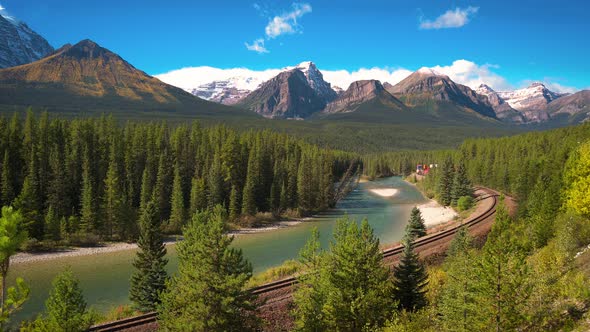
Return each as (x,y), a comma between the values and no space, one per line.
(534,96)
(19,44)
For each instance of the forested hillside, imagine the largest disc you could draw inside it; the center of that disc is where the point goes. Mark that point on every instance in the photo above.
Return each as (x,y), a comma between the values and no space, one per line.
(87,179)
(532,273)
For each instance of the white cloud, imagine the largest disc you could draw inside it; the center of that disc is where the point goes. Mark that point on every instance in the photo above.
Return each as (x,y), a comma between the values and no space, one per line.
(450,19)
(461,71)
(286,23)
(257,46)
(551,85)
(192,77)
(280,25)
(471,74)
(343,78)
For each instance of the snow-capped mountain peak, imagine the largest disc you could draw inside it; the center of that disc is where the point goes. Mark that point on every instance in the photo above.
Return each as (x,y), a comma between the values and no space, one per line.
(316,80)
(429,71)
(19,44)
(535,96)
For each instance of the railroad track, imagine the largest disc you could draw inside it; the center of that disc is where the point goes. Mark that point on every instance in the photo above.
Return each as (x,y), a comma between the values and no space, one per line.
(151,317)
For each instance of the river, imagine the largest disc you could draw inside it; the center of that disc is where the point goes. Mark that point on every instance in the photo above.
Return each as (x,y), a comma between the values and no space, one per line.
(105,278)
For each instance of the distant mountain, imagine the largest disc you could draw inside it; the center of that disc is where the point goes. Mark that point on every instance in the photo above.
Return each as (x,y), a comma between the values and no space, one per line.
(573,108)
(287,96)
(223,92)
(534,97)
(360,92)
(503,110)
(426,84)
(19,44)
(316,81)
(86,77)
(238,83)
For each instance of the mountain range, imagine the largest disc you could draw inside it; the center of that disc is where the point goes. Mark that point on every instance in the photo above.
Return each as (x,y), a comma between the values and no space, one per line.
(530,105)
(86,77)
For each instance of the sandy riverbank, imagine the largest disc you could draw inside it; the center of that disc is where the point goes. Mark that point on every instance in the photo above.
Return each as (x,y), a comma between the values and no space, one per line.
(24,257)
(435,214)
(386,192)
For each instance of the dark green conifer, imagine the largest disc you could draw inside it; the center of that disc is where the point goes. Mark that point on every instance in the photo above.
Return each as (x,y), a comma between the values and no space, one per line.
(149,279)
(410,279)
(415,227)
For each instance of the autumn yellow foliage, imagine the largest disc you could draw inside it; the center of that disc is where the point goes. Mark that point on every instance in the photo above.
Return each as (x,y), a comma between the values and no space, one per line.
(578,179)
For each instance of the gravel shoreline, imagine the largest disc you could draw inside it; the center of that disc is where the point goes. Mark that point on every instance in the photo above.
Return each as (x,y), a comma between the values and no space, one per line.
(24,257)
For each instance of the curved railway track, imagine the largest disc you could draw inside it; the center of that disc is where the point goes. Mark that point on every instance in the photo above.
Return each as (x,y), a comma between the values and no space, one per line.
(285,284)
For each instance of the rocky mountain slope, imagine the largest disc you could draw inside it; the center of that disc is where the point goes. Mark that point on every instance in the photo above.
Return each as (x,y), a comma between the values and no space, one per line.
(287,96)
(425,84)
(572,108)
(87,77)
(19,44)
(534,97)
(503,110)
(530,103)
(360,92)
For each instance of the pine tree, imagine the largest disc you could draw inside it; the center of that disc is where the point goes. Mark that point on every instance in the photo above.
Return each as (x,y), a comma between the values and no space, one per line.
(148,281)
(347,288)
(215,183)
(146,187)
(57,193)
(416,227)
(410,279)
(234,204)
(461,185)
(66,308)
(208,292)
(304,183)
(88,218)
(113,201)
(29,201)
(445,184)
(198,195)
(161,193)
(52,225)
(503,286)
(249,206)
(458,305)
(177,214)
(7,180)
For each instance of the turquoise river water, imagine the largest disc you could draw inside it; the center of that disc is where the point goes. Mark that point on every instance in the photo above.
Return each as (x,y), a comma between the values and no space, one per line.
(105,278)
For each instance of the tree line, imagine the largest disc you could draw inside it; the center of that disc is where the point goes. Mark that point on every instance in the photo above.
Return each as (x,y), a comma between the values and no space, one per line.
(77,179)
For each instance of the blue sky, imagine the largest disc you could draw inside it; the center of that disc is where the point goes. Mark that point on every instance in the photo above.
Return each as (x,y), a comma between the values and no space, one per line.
(517,41)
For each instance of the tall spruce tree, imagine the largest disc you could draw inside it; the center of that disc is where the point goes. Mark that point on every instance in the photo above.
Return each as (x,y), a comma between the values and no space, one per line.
(416,227)
(113,201)
(149,279)
(29,201)
(445,185)
(88,217)
(410,279)
(208,292)
(461,185)
(178,213)
(234,204)
(7,180)
(249,207)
